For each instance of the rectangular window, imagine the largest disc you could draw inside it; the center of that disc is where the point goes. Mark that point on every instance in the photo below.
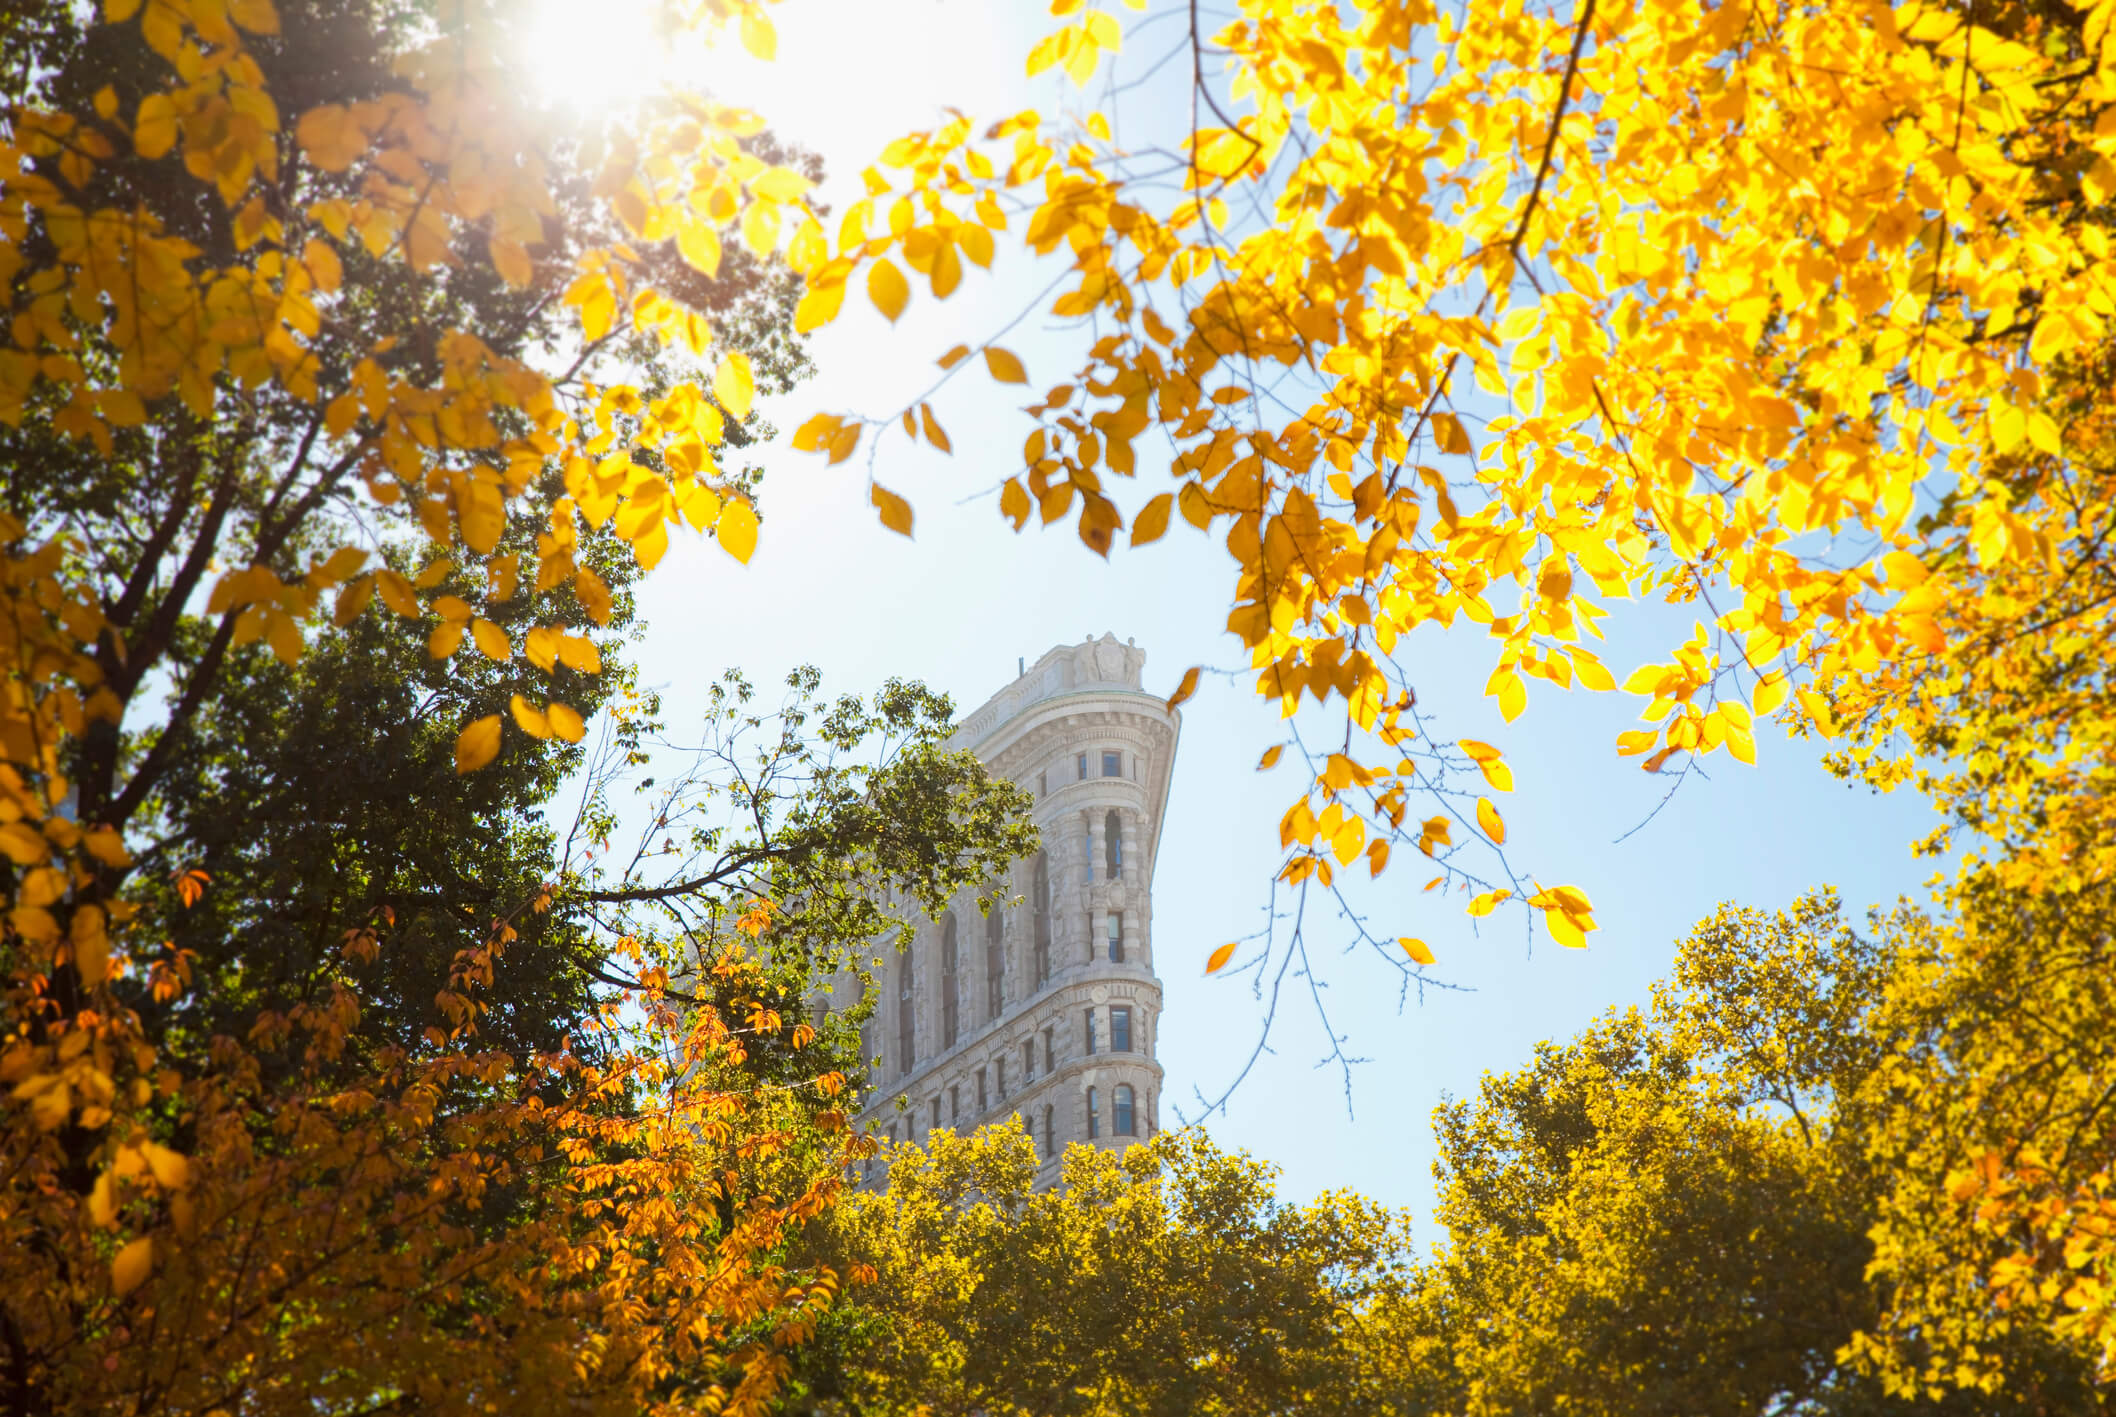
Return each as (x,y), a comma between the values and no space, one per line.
(1049,1054)
(1090,1033)
(1119,1030)
(1028,1061)
(1113,764)
(1115,926)
(954,1105)
(1094,1116)
(1081,763)
(982,1100)
(936,1113)
(1000,1067)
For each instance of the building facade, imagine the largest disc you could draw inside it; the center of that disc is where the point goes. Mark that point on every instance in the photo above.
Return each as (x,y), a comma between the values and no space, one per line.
(1047,1008)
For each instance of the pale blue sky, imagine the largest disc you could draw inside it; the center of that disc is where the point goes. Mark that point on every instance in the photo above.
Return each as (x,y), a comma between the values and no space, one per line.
(960,602)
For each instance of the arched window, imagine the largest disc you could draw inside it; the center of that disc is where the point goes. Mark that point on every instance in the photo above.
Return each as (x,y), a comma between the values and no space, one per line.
(948,962)
(1094,1117)
(1050,1133)
(1040,907)
(1113,845)
(1120,1111)
(995,963)
(906,1049)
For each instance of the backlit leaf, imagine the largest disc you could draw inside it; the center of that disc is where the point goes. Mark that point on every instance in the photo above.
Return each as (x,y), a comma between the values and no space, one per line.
(129,1270)
(887,288)
(737,529)
(1490,822)
(478,744)
(734,385)
(1219,957)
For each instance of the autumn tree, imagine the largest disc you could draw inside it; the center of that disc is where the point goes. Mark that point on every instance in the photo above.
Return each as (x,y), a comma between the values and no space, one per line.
(1170,1279)
(1674,1211)
(318,317)
(1497,316)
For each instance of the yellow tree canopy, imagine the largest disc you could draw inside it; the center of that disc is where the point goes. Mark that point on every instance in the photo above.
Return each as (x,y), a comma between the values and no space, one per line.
(1498,314)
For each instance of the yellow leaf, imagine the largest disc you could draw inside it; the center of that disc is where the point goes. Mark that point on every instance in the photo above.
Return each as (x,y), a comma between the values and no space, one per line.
(566,721)
(887,288)
(815,432)
(699,244)
(154,129)
(1490,822)
(91,944)
(102,1202)
(954,356)
(758,36)
(1004,366)
(1770,692)
(172,1170)
(819,306)
(478,744)
(1487,759)
(1185,689)
(1486,903)
(1270,758)
(578,652)
(396,593)
(132,1266)
(734,384)
(1416,949)
(1219,958)
(491,640)
(737,529)
(24,845)
(510,259)
(529,718)
(896,512)
(1152,520)
(1014,502)
(1564,931)
(1447,431)
(106,846)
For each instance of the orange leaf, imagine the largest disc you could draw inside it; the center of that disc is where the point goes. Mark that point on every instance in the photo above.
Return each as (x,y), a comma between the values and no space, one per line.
(478,744)
(1219,959)
(1185,689)
(896,512)
(1152,520)
(1416,949)
(934,435)
(1004,366)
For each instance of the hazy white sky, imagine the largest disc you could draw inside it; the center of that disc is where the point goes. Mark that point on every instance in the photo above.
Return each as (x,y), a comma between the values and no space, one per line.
(959,603)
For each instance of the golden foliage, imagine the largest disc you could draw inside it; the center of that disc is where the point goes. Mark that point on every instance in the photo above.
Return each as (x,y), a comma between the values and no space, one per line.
(1502,318)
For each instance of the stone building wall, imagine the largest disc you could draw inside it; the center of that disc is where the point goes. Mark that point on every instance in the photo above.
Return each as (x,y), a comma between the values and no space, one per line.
(1072,946)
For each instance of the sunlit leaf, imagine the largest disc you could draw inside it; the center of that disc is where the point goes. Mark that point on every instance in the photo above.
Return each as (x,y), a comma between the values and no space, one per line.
(478,744)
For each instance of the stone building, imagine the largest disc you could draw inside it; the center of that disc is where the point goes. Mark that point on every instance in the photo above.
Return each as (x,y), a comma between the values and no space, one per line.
(1048,1007)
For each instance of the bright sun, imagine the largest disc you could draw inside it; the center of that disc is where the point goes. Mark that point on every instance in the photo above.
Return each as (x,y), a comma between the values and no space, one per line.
(592,55)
